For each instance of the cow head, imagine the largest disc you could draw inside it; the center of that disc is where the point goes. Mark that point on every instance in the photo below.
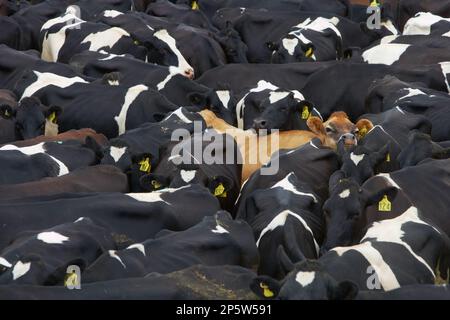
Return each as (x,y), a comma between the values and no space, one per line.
(359,163)
(312,40)
(163,50)
(233,46)
(339,127)
(306,281)
(283,111)
(221,102)
(30,117)
(346,204)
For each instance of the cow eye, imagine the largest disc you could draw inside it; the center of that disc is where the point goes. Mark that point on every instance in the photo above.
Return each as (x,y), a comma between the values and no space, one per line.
(329,130)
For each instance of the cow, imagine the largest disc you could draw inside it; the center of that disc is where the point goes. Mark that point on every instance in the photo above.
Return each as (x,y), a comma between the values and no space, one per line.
(99,178)
(390,92)
(46,159)
(421,147)
(7,129)
(42,258)
(208,159)
(216,240)
(229,282)
(427,23)
(125,108)
(32,119)
(351,207)
(396,252)
(286,218)
(256,150)
(130,217)
(350,83)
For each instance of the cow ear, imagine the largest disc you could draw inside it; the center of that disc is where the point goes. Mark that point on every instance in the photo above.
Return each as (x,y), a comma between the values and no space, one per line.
(151,182)
(52,113)
(345,290)
(379,156)
(315,124)
(265,287)
(220,185)
(272,46)
(199,99)
(309,50)
(335,178)
(364,126)
(7,112)
(390,192)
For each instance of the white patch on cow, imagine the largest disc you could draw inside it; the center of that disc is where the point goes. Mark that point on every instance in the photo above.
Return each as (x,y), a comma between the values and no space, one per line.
(5,262)
(400,110)
(35,149)
(344,194)
(20,269)
(391,231)
(154,196)
(53,42)
(383,271)
(280,220)
(130,96)
(313,145)
(445,66)
(390,27)
(165,37)
(385,53)
(107,38)
(447,34)
(275,96)
(52,237)
(111,13)
(285,184)
(109,55)
(421,23)
(411,93)
(240,106)
(388,39)
(45,79)
(219,229)
(290,44)
(79,219)
(138,246)
(113,82)
(224,97)
(389,179)
(117,153)
(305,278)
(188,175)
(356,158)
(113,254)
(172,72)
(179,114)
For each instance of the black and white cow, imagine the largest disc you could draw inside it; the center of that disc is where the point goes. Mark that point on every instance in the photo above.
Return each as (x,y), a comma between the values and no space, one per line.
(427,23)
(46,159)
(117,109)
(229,282)
(42,258)
(216,240)
(396,252)
(131,217)
(286,218)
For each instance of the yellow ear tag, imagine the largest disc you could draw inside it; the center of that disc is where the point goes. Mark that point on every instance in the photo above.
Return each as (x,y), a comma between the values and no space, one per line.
(362,132)
(388,157)
(305,113)
(266,291)
(71,280)
(52,117)
(384,205)
(309,53)
(145,165)
(195,5)
(374,3)
(7,114)
(220,191)
(136,42)
(156,184)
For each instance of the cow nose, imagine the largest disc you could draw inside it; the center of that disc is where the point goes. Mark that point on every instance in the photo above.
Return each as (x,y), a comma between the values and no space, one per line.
(189,73)
(349,139)
(259,124)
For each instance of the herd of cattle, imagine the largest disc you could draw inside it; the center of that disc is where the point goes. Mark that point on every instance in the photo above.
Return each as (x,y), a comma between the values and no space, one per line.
(92,92)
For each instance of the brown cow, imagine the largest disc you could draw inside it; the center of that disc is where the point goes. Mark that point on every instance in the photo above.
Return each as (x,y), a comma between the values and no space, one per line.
(100,178)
